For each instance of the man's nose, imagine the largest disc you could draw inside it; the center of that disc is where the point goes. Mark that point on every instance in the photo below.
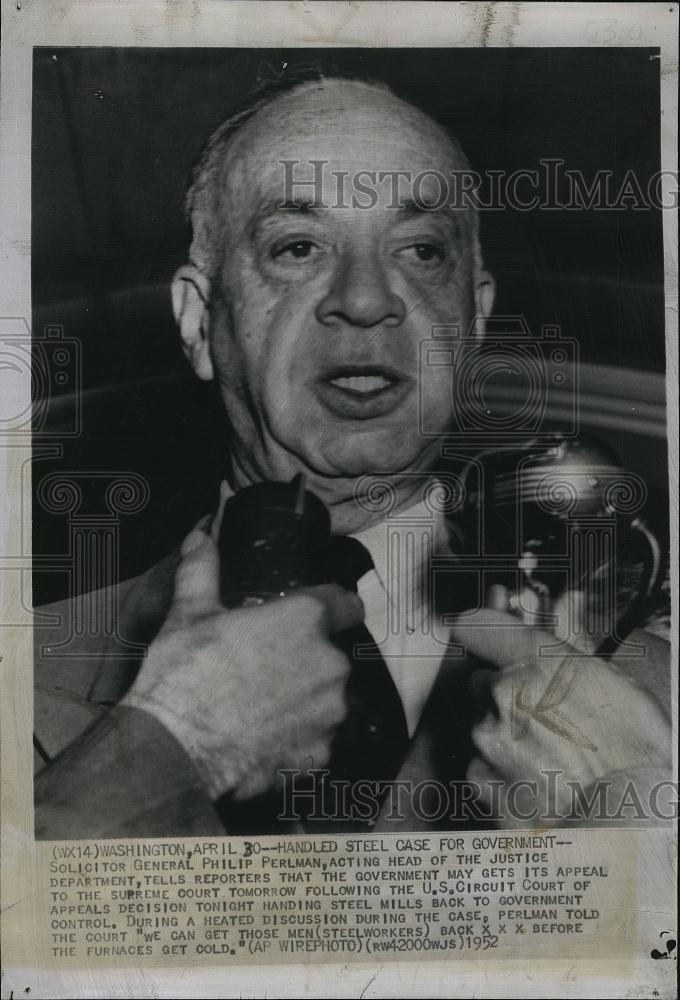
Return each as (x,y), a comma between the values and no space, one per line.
(361,295)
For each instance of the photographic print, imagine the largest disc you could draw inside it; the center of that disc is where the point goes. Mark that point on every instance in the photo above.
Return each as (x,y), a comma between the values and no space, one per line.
(340,566)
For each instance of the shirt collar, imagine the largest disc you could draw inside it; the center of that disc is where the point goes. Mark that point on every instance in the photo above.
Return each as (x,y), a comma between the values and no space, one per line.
(406,541)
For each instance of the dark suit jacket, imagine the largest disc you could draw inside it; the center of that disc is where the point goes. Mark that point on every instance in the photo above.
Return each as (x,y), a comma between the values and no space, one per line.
(103,770)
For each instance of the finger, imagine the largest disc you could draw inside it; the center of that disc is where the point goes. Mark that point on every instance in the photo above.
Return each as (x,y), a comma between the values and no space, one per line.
(481,774)
(499,638)
(498,597)
(529,605)
(489,740)
(330,711)
(342,608)
(570,609)
(197,585)
(315,756)
(196,536)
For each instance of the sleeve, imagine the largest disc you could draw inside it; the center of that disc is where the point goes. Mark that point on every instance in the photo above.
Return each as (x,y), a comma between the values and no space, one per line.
(125,776)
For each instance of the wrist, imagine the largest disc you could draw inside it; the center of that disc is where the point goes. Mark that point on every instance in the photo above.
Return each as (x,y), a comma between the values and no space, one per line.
(218,770)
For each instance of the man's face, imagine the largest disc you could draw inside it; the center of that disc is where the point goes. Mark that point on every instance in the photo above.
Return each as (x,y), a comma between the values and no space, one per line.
(319,312)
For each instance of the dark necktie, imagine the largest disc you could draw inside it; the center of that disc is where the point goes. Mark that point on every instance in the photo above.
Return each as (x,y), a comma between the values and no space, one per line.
(372,742)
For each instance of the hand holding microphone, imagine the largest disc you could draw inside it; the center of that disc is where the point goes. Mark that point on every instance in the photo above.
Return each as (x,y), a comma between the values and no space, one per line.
(257,686)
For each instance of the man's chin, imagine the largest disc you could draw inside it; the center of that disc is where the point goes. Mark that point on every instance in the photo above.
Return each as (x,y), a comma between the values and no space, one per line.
(356,458)
(338,453)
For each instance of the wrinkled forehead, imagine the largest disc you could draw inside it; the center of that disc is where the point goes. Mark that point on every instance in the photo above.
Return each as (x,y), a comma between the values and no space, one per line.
(348,125)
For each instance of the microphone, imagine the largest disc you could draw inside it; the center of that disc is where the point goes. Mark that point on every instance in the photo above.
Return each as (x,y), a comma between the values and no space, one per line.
(274,538)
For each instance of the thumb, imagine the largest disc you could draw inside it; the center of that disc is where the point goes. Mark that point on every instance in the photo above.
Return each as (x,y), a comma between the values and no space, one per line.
(343,608)
(498,637)
(197,581)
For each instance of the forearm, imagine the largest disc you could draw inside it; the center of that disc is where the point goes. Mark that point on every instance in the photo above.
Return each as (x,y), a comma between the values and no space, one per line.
(126,776)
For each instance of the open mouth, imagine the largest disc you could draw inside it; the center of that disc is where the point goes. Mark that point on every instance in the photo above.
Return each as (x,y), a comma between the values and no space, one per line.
(363,382)
(362,391)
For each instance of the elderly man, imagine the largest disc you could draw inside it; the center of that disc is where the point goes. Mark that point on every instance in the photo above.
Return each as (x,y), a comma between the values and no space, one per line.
(308,306)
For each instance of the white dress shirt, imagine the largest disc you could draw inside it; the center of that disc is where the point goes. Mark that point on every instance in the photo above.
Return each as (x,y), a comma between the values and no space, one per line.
(397,598)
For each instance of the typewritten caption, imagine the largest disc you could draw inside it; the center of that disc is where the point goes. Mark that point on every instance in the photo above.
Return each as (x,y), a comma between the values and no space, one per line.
(305,899)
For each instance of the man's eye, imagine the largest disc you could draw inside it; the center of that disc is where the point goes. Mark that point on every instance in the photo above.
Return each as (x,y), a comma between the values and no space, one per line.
(298,250)
(424,252)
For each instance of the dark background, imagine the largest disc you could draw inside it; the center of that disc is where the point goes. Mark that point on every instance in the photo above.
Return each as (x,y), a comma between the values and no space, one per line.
(115,132)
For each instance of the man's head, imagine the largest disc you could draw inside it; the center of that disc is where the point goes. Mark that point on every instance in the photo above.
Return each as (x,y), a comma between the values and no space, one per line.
(308,301)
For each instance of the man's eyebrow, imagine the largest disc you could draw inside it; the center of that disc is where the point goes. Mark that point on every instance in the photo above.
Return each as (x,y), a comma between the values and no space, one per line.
(269,211)
(412,208)
(305,206)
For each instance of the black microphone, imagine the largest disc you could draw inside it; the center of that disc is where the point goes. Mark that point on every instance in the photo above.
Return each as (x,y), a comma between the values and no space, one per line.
(274,538)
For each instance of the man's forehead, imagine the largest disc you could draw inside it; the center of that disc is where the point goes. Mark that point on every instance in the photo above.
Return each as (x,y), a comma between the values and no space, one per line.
(349,125)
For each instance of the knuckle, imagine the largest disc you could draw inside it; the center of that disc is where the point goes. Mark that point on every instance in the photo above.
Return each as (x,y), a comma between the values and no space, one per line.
(311,608)
(339,665)
(337,709)
(179,617)
(332,666)
(485,734)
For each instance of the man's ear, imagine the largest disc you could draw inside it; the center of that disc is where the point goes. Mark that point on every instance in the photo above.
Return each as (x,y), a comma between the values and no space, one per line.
(190,297)
(485,293)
